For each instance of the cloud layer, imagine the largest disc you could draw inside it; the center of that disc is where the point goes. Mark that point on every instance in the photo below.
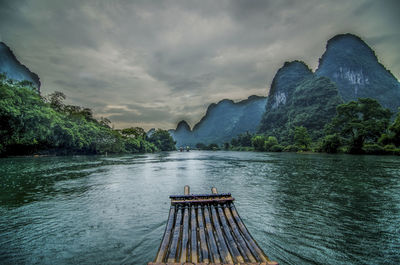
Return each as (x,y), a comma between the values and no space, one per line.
(152,63)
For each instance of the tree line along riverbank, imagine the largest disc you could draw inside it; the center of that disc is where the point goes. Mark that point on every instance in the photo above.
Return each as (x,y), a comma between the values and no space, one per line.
(35,124)
(359,127)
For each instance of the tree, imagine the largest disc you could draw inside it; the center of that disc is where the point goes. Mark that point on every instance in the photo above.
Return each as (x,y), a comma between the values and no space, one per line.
(201,146)
(331,143)
(135,132)
(226,146)
(29,124)
(270,142)
(234,142)
(56,100)
(105,122)
(3,77)
(395,130)
(244,139)
(162,140)
(258,142)
(213,147)
(360,121)
(301,137)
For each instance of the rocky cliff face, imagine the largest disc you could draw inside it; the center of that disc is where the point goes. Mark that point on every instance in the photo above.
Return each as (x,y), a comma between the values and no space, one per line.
(349,69)
(299,98)
(13,69)
(353,66)
(284,82)
(222,122)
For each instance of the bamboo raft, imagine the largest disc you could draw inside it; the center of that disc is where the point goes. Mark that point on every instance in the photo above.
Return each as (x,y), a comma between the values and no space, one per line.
(207,229)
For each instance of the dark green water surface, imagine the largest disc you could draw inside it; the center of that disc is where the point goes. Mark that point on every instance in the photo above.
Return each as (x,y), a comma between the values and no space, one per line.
(300,208)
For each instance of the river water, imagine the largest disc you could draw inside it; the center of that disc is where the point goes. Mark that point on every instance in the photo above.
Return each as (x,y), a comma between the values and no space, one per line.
(300,208)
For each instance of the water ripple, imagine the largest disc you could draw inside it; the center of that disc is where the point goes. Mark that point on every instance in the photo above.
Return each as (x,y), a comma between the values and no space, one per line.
(300,208)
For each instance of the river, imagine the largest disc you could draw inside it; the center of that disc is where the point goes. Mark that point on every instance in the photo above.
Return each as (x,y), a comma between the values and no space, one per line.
(300,208)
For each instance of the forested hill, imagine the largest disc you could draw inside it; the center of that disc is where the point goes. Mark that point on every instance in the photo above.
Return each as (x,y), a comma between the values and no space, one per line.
(299,98)
(353,66)
(222,122)
(31,123)
(348,70)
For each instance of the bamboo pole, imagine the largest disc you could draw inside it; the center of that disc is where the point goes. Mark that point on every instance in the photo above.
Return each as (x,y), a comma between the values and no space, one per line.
(213,200)
(187,190)
(185,235)
(203,242)
(198,196)
(231,241)
(211,238)
(175,237)
(225,255)
(193,236)
(252,244)
(167,235)
(238,236)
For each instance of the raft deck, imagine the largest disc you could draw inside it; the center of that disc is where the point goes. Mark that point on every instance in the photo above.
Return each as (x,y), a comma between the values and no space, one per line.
(207,229)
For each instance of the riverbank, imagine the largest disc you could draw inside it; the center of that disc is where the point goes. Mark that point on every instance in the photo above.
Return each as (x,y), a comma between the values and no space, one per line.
(291,149)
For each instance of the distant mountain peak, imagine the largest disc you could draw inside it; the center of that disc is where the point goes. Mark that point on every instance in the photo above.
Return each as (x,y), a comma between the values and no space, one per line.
(346,46)
(291,72)
(15,70)
(354,67)
(227,102)
(295,63)
(284,82)
(183,125)
(222,121)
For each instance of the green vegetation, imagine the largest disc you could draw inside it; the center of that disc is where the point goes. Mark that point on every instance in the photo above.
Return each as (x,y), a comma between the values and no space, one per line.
(212,146)
(360,122)
(312,105)
(242,140)
(359,127)
(162,140)
(301,138)
(31,124)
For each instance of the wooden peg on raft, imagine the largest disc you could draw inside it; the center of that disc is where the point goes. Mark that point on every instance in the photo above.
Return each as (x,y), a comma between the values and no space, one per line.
(187,190)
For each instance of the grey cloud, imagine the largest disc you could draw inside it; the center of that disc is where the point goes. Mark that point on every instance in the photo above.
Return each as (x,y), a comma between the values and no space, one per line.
(381,39)
(158,62)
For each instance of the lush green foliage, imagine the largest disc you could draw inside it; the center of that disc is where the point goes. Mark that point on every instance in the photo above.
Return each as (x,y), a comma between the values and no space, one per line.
(302,138)
(359,127)
(392,136)
(162,140)
(32,124)
(243,139)
(331,143)
(270,143)
(359,122)
(312,104)
(258,142)
(212,146)
(201,146)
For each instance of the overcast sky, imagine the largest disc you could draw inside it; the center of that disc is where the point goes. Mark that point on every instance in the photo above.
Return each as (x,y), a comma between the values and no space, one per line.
(153,63)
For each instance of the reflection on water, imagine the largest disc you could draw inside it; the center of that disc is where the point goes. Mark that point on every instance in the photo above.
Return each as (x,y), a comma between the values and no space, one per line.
(301,208)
